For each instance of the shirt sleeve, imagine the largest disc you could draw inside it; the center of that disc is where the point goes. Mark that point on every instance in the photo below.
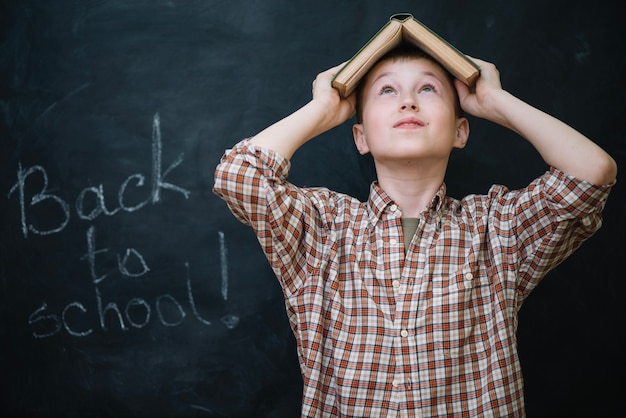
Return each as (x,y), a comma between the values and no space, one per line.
(288,221)
(547,221)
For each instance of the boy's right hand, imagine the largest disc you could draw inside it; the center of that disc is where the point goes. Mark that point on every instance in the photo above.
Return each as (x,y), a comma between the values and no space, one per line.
(325,111)
(338,110)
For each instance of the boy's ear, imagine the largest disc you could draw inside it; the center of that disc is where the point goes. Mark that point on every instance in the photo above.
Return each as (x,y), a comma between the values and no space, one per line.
(359,139)
(462,133)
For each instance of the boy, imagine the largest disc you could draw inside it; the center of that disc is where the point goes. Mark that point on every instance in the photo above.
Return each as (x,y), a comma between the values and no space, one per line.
(406,305)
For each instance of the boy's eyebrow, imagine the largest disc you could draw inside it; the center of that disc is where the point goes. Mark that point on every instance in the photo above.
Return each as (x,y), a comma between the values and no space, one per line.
(423,73)
(385,74)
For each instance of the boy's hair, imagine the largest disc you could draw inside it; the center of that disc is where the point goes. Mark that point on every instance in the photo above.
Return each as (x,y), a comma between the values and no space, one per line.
(402,52)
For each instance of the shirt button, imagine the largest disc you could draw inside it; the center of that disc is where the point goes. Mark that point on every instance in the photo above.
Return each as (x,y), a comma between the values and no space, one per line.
(393,241)
(469,276)
(396,382)
(404,333)
(396,283)
(393,207)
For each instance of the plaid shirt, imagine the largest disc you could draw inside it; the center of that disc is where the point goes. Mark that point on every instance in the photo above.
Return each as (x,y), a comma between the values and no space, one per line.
(430,332)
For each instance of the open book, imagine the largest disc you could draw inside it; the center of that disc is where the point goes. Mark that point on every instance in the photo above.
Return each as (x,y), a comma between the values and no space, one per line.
(404,28)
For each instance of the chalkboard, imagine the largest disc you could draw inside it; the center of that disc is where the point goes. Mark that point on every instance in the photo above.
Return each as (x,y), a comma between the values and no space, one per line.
(128,289)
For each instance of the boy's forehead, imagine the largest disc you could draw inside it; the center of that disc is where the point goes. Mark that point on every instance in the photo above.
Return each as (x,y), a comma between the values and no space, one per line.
(393,66)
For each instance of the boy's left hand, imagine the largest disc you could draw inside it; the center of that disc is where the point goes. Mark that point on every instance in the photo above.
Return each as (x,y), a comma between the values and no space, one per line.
(477,102)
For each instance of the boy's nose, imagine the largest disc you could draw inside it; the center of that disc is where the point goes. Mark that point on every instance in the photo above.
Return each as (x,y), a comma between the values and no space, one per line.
(409,102)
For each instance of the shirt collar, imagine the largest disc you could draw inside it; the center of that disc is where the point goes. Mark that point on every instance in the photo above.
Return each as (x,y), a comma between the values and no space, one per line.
(379,200)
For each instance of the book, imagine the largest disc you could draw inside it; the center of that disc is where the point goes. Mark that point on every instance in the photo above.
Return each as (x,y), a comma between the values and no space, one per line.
(404,28)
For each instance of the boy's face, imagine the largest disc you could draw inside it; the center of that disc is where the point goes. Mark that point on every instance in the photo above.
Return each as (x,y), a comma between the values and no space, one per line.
(409,113)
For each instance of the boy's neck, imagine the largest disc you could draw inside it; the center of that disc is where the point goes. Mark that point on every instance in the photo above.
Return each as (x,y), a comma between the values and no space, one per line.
(411,189)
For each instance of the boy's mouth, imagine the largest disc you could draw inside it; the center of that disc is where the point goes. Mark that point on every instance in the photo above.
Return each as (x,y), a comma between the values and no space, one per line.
(409,123)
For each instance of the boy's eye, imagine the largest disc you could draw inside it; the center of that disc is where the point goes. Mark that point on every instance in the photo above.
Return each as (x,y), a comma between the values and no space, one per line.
(427,88)
(387,90)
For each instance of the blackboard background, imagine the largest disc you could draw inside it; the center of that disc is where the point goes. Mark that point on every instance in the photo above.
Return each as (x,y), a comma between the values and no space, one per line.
(81,83)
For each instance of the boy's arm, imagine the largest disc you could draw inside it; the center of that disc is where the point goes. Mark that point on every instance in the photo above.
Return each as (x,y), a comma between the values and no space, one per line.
(325,111)
(560,145)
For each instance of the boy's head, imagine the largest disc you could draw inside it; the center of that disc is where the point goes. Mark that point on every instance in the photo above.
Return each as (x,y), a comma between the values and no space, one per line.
(408,109)
(402,52)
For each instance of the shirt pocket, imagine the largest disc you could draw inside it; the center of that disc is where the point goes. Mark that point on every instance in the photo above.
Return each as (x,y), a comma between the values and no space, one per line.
(461,312)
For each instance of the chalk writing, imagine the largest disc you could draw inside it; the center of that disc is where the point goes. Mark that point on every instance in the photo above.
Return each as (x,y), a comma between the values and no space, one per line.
(136,312)
(39,197)
(230,321)
(100,208)
(34,197)
(65,322)
(224,266)
(157,176)
(121,262)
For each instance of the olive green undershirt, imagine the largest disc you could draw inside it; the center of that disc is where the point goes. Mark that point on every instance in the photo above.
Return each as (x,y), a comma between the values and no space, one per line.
(409,226)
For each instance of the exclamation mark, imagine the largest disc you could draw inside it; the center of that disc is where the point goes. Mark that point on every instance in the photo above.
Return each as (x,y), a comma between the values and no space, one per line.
(224,266)
(230,321)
